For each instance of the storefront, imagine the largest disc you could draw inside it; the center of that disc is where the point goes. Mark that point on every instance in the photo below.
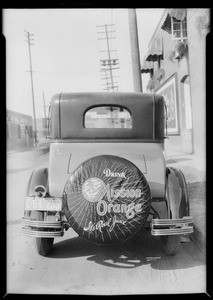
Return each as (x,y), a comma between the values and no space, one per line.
(172,74)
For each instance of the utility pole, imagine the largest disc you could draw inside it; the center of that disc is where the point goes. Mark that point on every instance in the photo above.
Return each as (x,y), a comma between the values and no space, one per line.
(44,106)
(108,63)
(45,115)
(29,41)
(135,55)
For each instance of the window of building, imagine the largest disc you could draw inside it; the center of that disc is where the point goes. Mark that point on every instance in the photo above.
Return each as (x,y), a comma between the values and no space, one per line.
(179,29)
(108,117)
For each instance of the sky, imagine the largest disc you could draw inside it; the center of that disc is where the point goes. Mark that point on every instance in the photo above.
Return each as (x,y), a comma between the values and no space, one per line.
(66,52)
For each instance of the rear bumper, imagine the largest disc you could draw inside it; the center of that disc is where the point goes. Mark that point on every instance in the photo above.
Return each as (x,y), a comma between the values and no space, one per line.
(159,227)
(172,226)
(42,228)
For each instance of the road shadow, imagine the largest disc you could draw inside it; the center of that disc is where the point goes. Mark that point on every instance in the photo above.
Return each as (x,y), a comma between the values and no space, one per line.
(141,249)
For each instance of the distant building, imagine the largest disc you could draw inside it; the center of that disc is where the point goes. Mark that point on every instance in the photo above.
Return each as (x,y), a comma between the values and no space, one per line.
(42,128)
(176,63)
(19,131)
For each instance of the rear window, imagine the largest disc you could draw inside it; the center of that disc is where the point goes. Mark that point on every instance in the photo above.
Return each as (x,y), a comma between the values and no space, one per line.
(108,117)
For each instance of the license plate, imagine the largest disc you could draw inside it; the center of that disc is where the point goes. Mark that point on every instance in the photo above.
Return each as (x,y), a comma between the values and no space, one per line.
(44,204)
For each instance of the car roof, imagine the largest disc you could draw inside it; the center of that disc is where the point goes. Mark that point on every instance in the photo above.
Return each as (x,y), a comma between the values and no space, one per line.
(68,110)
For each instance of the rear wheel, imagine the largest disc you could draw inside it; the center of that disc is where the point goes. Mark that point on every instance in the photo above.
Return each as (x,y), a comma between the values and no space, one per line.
(44,245)
(171,244)
(178,203)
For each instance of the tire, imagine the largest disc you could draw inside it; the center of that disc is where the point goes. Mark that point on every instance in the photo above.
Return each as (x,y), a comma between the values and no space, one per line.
(171,244)
(177,194)
(44,245)
(178,204)
(107,199)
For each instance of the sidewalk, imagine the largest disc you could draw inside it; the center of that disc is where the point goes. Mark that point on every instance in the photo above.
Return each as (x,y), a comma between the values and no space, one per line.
(194,170)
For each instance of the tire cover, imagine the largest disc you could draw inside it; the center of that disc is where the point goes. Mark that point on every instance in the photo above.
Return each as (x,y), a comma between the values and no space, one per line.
(107,199)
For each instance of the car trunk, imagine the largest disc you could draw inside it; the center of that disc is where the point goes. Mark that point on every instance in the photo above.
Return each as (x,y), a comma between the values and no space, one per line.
(66,157)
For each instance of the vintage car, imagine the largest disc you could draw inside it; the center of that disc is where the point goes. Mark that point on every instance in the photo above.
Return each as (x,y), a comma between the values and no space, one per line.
(107,176)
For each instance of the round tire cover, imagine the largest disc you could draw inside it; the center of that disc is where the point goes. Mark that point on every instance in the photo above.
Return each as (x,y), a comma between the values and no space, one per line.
(107,199)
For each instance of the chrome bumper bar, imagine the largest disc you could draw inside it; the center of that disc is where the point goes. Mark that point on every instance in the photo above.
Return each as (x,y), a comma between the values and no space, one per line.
(172,226)
(42,228)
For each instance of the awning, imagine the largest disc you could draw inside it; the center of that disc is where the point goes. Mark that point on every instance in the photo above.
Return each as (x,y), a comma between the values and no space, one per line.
(147,66)
(178,14)
(155,50)
(167,24)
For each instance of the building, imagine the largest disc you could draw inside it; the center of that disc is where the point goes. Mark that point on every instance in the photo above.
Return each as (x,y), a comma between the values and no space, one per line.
(175,60)
(19,131)
(42,128)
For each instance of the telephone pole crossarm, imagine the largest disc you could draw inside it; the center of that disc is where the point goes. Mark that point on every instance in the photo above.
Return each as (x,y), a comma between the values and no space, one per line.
(109,63)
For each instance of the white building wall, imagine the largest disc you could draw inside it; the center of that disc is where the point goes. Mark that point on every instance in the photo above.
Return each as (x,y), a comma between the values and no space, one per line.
(197,20)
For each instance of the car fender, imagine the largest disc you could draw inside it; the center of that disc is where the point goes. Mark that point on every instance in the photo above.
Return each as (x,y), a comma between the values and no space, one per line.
(176,194)
(39,176)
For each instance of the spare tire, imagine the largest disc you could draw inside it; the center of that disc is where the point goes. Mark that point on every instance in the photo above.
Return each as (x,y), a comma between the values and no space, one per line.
(107,199)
